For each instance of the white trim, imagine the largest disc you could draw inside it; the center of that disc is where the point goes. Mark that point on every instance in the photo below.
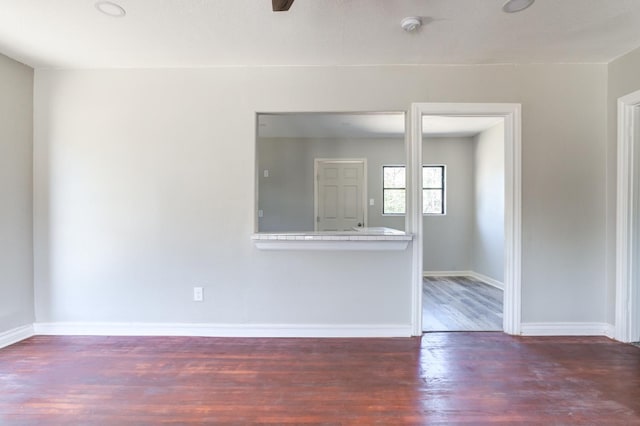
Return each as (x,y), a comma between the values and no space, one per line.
(316,193)
(447,273)
(15,335)
(220,330)
(414,219)
(471,274)
(566,329)
(512,213)
(626,315)
(610,331)
(256,177)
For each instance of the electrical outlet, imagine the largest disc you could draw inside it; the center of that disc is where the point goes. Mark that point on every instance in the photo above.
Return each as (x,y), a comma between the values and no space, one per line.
(198,294)
(260,213)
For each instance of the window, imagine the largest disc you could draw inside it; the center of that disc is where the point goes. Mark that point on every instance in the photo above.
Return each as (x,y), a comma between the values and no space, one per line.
(432,189)
(394,190)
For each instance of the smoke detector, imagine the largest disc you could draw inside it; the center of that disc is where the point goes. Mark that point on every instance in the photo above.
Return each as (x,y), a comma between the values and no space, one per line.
(411,23)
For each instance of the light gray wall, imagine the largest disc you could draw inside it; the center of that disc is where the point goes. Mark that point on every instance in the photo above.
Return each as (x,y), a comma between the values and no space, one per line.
(145,182)
(286,196)
(488,222)
(623,79)
(16,236)
(448,239)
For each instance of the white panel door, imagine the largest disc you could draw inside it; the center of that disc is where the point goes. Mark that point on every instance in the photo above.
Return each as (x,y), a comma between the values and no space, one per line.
(340,195)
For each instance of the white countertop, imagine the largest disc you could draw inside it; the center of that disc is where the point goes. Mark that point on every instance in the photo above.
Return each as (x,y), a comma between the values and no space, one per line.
(362,239)
(379,230)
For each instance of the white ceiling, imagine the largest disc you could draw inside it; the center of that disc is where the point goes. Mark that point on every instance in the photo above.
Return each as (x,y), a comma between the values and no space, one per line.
(209,33)
(331,125)
(365,125)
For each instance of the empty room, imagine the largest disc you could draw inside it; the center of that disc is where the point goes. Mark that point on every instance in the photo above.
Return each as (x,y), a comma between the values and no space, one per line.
(319,212)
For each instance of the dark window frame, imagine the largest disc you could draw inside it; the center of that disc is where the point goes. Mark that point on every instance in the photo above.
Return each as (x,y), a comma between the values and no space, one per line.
(394,189)
(442,190)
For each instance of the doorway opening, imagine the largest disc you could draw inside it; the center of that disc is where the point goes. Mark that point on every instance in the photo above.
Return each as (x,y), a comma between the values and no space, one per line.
(322,171)
(627,317)
(498,206)
(463,223)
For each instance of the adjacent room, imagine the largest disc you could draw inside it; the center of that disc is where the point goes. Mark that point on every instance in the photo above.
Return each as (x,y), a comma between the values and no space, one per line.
(295,154)
(319,212)
(463,207)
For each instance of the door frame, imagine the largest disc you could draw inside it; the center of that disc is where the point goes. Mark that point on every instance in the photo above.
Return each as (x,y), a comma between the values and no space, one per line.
(316,177)
(512,214)
(627,311)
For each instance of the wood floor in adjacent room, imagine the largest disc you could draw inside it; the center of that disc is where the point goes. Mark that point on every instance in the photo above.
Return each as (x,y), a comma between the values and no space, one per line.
(441,378)
(460,304)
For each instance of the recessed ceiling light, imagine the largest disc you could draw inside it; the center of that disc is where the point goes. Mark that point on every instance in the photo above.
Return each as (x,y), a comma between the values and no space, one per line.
(513,6)
(111,9)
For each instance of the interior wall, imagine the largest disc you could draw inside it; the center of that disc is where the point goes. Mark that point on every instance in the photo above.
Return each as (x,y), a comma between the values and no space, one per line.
(488,222)
(145,182)
(623,79)
(286,195)
(448,239)
(16,220)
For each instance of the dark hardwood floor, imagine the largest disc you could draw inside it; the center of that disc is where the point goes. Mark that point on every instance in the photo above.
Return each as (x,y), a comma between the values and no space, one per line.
(442,378)
(460,304)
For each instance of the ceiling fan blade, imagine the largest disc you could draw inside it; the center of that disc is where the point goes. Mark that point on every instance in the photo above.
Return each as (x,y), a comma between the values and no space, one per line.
(281,5)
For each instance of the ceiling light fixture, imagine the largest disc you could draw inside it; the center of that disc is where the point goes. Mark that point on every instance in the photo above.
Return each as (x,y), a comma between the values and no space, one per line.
(111,9)
(411,23)
(513,6)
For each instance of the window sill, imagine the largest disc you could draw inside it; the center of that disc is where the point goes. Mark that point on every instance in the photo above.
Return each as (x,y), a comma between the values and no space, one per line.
(356,240)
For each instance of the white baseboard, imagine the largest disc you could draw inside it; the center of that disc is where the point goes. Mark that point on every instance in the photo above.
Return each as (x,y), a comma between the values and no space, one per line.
(487,280)
(270,330)
(611,331)
(15,335)
(566,329)
(219,330)
(447,273)
(471,274)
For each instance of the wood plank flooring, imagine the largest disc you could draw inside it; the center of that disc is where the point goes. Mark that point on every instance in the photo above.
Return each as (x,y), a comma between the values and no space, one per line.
(442,378)
(460,304)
